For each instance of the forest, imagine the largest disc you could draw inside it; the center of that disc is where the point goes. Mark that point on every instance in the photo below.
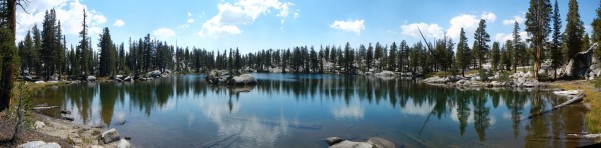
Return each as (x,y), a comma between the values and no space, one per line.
(44,52)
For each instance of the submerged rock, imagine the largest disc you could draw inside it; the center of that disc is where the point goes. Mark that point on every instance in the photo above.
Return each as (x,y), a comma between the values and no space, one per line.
(381,142)
(333,140)
(123,144)
(351,144)
(337,142)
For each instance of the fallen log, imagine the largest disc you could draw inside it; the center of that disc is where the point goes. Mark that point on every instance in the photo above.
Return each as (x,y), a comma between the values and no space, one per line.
(44,107)
(571,101)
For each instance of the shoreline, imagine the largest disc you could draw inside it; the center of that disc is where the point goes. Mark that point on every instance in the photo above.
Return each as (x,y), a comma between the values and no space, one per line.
(591,101)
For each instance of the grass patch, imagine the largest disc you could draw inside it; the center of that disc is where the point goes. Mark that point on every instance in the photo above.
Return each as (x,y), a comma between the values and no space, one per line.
(593,117)
(445,74)
(472,72)
(438,73)
(95,133)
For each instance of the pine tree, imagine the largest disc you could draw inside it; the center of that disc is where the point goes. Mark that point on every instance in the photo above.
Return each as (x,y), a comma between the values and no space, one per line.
(481,37)
(107,62)
(28,51)
(574,31)
(121,58)
(9,63)
(586,42)
(49,43)
(370,57)
(518,51)
(538,19)
(510,59)
(403,56)
(59,50)
(463,54)
(392,59)
(495,55)
(83,46)
(37,45)
(556,54)
(596,36)
(504,60)
(378,54)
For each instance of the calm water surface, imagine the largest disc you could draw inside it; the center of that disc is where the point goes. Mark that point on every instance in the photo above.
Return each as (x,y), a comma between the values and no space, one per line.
(288,110)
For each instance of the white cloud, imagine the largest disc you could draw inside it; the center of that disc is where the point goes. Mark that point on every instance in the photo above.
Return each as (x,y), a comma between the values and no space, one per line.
(355,26)
(69,12)
(119,23)
(295,15)
(216,29)
(519,19)
(189,14)
(242,12)
(429,30)
(469,23)
(163,33)
(502,37)
(190,21)
(183,26)
(488,16)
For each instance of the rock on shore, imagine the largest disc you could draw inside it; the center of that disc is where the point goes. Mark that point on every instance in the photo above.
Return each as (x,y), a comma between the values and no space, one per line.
(39,144)
(519,79)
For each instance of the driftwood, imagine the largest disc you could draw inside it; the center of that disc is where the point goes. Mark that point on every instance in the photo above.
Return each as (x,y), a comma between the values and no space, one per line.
(571,101)
(44,107)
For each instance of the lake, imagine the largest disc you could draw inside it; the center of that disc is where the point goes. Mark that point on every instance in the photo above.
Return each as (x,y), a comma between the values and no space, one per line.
(302,110)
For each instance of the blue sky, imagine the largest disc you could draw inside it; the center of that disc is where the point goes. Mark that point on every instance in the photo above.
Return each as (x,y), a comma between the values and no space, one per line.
(253,25)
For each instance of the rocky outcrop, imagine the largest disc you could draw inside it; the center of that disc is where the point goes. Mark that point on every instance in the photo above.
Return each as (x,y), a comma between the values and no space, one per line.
(153,74)
(39,144)
(275,70)
(385,74)
(381,142)
(218,77)
(519,79)
(245,79)
(337,142)
(91,79)
(225,78)
(110,136)
(582,65)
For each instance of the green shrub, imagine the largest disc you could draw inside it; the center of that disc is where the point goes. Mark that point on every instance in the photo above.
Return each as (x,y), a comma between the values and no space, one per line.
(597,82)
(483,73)
(504,76)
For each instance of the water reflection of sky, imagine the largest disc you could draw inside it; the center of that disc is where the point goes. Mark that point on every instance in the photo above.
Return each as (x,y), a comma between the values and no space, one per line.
(303,110)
